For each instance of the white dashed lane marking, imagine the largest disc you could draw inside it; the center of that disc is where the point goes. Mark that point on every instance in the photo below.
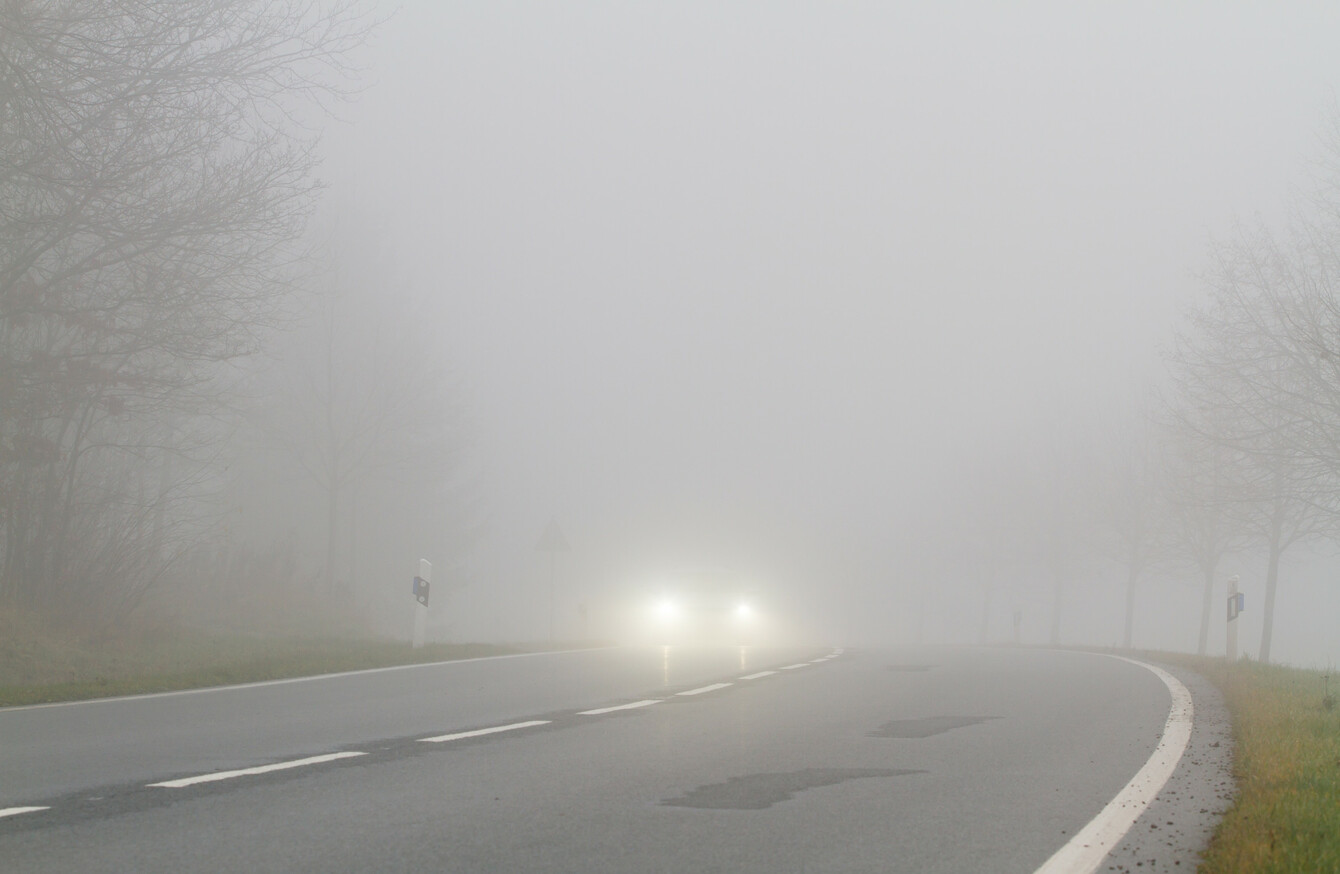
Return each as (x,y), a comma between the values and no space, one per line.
(460,735)
(15,811)
(311,760)
(632,706)
(482,731)
(260,769)
(701,689)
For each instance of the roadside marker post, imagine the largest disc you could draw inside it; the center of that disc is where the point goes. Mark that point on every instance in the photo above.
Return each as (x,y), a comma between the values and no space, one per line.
(422,583)
(1236,601)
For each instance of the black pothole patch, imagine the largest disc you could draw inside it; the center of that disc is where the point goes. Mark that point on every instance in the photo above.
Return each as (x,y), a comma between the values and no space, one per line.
(926,727)
(909,669)
(759,791)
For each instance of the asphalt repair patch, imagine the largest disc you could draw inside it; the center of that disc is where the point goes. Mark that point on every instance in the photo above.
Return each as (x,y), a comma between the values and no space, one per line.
(760,791)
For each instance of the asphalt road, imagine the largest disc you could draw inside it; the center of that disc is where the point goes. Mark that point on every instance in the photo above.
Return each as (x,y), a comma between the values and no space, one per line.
(902,760)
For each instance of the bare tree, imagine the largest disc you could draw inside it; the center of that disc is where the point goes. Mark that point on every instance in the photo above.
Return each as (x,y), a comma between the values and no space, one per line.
(1130,507)
(151,184)
(1202,529)
(1066,479)
(364,399)
(1257,377)
(1016,519)
(1204,498)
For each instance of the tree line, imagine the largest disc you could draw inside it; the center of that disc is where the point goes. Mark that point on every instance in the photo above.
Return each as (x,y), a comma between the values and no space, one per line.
(157,178)
(1235,450)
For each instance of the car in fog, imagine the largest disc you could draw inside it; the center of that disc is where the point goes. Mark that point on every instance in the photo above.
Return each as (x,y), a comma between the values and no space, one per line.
(701,607)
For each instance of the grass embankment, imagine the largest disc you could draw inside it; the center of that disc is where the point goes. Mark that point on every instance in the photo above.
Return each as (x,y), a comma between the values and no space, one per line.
(1286,817)
(39,665)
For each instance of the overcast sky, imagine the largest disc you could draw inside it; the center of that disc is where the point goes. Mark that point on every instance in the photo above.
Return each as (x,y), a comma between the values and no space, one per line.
(745,283)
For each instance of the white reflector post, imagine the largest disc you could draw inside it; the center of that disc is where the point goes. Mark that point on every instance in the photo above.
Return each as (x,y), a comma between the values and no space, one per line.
(421,610)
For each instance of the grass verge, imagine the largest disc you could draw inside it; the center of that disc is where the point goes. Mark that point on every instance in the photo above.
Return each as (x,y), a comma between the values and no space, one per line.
(222,661)
(1286,817)
(42,664)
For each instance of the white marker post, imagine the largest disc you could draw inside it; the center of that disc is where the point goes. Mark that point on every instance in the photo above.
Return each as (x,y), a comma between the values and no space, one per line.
(421,604)
(1234,605)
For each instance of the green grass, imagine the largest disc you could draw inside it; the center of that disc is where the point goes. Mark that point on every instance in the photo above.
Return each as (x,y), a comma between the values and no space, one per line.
(40,664)
(1286,817)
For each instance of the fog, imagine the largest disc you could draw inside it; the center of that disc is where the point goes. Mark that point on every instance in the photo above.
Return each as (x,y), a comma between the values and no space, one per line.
(854,303)
(757,287)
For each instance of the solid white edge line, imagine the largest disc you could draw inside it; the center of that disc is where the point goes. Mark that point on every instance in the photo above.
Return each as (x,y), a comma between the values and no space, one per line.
(633,705)
(793,667)
(287,680)
(1090,846)
(15,811)
(482,731)
(701,689)
(759,674)
(259,769)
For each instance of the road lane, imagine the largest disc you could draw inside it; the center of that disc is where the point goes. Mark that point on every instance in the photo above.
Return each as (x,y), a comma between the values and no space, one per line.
(49,750)
(929,760)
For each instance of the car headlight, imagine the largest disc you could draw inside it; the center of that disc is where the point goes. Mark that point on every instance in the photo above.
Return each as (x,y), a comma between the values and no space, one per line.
(667,610)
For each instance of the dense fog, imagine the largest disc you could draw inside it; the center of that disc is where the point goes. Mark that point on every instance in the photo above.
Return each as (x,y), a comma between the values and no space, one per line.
(897,316)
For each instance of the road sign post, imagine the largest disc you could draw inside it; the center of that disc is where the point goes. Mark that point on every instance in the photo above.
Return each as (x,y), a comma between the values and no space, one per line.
(422,583)
(1235,605)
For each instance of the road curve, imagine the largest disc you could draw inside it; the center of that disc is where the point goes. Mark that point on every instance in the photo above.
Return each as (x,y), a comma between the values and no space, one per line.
(952,760)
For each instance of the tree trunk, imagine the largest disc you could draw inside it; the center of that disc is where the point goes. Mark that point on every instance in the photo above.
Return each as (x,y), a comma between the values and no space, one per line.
(1206,607)
(353,539)
(1272,576)
(332,517)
